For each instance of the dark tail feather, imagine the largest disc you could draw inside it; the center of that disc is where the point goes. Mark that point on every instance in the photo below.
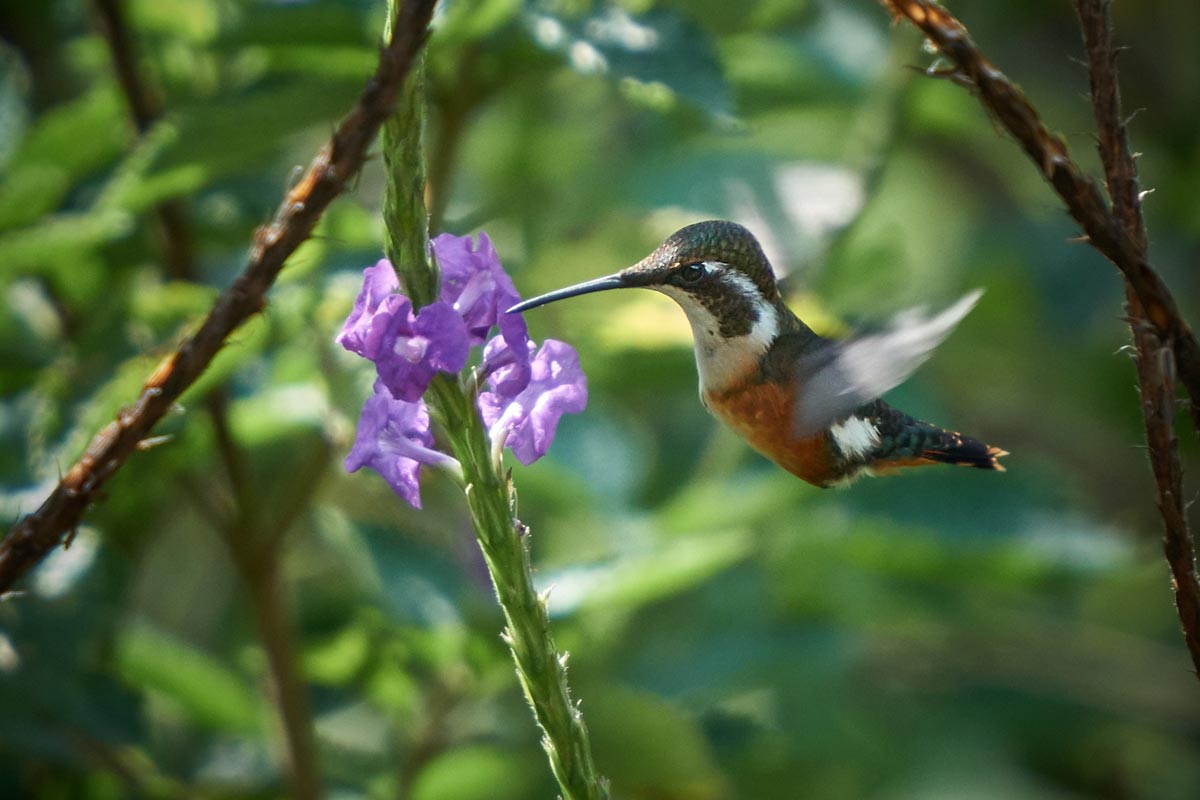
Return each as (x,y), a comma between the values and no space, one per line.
(906,441)
(954,448)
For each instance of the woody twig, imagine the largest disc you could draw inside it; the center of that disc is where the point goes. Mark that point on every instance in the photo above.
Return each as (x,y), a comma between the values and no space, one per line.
(1165,345)
(35,535)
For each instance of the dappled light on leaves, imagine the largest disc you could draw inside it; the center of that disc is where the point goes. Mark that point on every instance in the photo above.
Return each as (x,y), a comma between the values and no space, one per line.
(732,632)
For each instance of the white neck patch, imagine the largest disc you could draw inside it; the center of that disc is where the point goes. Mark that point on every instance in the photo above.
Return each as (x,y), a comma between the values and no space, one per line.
(723,360)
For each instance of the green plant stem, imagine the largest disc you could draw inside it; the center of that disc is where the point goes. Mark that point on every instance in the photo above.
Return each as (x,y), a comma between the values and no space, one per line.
(541,668)
(406,228)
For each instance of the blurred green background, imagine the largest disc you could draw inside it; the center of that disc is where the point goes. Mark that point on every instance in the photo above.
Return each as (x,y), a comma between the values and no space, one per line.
(733,632)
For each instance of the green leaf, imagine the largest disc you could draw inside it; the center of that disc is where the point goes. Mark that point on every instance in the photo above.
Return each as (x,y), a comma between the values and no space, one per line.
(208,692)
(355,732)
(49,244)
(191,20)
(338,658)
(279,412)
(31,190)
(471,21)
(475,773)
(348,62)
(66,144)
(78,136)
(166,307)
(235,133)
(419,583)
(297,24)
(128,188)
(659,48)
(626,725)
(676,567)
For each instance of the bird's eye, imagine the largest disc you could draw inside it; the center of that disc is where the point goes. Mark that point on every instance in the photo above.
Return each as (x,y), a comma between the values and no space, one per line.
(690,273)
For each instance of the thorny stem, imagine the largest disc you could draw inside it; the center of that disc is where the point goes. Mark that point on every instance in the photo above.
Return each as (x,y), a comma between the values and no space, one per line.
(1083,199)
(541,668)
(491,498)
(35,535)
(1165,344)
(1156,378)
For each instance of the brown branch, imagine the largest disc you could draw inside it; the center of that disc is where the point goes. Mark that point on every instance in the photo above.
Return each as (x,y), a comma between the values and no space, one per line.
(1165,344)
(38,533)
(1120,171)
(1156,383)
(255,542)
(1155,377)
(236,473)
(144,107)
(175,234)
(273,617)
(1084,201)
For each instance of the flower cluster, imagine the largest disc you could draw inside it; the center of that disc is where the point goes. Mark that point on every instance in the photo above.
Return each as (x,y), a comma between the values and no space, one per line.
(528,388)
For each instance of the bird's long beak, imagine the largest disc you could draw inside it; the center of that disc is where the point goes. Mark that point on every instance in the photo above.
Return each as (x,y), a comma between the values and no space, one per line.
(617,281)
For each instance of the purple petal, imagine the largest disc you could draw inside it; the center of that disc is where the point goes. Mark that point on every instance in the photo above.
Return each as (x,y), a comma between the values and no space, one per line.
(414,349)
(449,346)
(373,309)
(393,439)
(515,335)
(474,282)
(529,420)
(506,357)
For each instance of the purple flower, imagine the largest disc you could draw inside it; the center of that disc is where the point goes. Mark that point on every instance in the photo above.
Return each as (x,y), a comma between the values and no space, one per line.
(526,422)
(408,350)
(527,394)
(413,349)
(474,282)
(506,362)
(377,299)
(394,440)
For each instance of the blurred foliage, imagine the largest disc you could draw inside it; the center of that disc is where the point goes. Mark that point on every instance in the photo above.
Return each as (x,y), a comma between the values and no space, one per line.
(733,632)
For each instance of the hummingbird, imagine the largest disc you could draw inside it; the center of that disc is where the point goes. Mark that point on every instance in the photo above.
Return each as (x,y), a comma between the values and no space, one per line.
(808,403)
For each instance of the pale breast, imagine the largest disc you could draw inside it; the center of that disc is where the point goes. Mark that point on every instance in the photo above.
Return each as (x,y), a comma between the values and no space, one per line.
(722,360)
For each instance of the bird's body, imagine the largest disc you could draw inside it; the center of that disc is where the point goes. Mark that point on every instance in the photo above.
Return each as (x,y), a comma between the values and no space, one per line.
(807,403)
(874,438)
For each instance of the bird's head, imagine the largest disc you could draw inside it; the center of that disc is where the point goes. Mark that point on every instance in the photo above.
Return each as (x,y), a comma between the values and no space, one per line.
(716,271)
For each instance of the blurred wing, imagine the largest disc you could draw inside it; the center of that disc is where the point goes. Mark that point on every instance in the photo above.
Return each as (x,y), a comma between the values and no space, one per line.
(842,376)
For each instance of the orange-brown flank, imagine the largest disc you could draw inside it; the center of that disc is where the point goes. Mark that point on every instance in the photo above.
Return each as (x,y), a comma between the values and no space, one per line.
(761,413)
